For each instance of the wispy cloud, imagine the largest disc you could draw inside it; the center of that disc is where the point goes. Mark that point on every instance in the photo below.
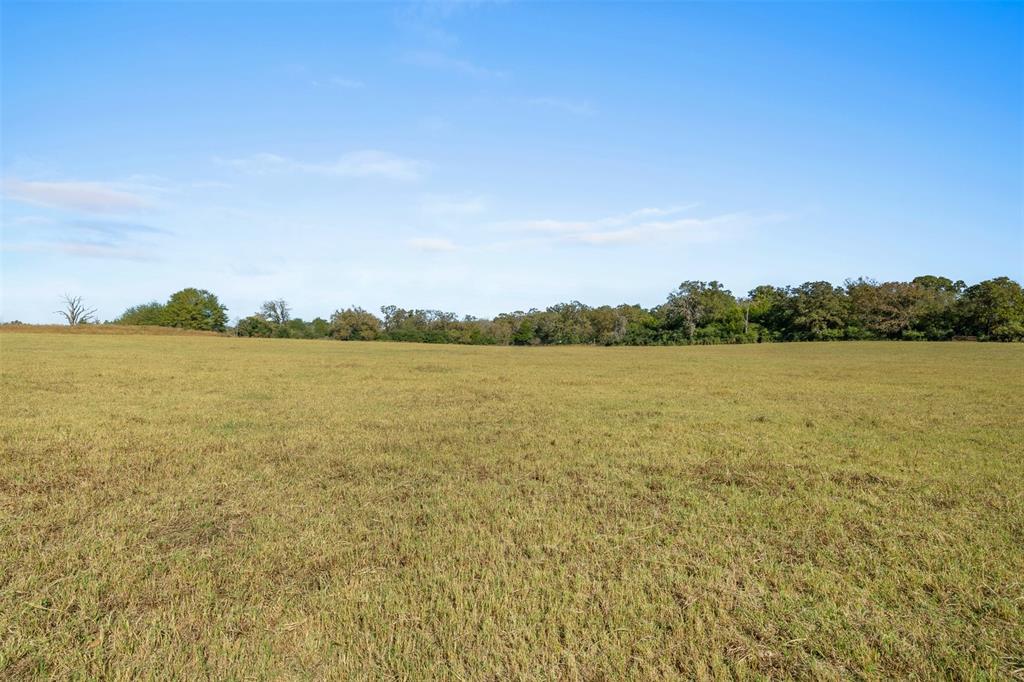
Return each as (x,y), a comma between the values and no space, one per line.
(433,244)
(111,229)
(692,229)
(424,22)
(28,220)
(82,249)
(569,106)
(117,228)
(434,59)
(359,164)
(557,226)
(642,225)
(338,82)
(90,197)
(445,206)
(300,73)
(210,184)
(89,238)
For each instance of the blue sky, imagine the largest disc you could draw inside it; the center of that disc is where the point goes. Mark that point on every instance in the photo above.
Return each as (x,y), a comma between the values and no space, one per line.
(489,157)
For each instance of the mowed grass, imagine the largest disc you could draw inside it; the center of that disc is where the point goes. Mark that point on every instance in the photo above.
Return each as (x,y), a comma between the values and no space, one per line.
(198,507)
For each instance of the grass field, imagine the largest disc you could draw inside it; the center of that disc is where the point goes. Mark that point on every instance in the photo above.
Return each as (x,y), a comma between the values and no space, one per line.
(192,507)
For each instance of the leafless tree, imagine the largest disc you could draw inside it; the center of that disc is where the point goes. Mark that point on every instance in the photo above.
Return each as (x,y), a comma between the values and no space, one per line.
(277,311)
(75,312)
(745,302)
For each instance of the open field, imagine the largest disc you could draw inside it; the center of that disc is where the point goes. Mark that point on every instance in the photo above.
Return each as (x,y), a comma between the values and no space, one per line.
(195,507)
(104,329)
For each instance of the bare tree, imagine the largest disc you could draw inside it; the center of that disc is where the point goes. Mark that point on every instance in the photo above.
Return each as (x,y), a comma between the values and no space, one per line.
(745,302)
(276,312)
(75,312)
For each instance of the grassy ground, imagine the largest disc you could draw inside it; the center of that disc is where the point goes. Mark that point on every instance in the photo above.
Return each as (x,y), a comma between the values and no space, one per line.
(105,329)
(196,507)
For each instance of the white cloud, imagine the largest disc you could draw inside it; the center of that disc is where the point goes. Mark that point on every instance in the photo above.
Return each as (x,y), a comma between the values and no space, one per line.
(376,164)
(642,225)
(570,106)
(433,59)
(82,249)
(261,164)
(91,197)
(338,82)
(302,73)
(550,225)
(29,220)
(433,244)
(693,229)
(116,229)
(554,226)
(211,184)
(91,236)
(368,163)
(442,205)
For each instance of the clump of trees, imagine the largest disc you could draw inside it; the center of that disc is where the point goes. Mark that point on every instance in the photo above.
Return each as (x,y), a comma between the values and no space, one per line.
(274,320)
(355,324)
(188,309)
(929,307)
(696,312)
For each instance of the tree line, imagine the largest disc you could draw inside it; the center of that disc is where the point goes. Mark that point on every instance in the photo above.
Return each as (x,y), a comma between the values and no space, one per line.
(925,308)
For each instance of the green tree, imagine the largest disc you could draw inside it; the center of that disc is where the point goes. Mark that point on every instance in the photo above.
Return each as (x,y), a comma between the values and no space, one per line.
(145,313)
(708,305)
(936,283)
(319,328)
(195,309)
(887,310)
(254,325)
(608,325)
(504,326)
(819,311)
(936,308)
(641,324)
(276,312)
(566,323)
(296,328)
(355,324)
(525,333)
(993,309)
(770,312)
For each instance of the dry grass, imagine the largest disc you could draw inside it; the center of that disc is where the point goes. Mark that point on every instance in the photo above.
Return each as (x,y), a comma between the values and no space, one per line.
(195,507)
(105,329)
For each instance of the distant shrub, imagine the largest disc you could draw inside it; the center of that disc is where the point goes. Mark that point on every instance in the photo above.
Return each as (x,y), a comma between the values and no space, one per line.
(146,313)
(255,326)
(355,324)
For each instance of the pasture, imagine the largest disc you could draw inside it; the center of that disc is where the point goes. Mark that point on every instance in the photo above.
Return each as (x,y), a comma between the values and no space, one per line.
(204,507)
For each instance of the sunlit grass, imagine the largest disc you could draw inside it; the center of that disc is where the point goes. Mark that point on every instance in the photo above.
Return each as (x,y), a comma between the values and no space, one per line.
(104,329)
(190,507)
